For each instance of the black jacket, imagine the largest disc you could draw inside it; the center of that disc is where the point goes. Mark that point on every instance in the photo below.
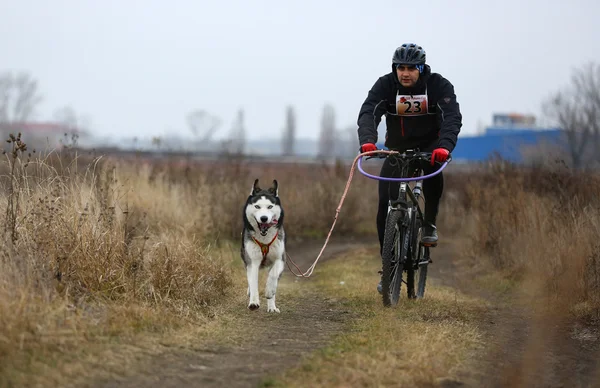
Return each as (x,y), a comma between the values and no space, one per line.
(442,123)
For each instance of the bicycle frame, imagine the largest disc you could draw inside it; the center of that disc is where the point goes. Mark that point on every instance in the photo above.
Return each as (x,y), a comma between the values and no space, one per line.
(404,188)
(400,204)
(405,222)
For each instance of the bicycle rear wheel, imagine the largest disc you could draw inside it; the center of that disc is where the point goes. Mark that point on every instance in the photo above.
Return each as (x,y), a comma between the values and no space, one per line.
(391,278)
(422,263)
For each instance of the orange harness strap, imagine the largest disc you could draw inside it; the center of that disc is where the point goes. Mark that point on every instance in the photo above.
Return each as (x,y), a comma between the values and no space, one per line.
(264,248)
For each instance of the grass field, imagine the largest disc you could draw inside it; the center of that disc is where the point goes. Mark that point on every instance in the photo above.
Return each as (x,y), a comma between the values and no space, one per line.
(99,252)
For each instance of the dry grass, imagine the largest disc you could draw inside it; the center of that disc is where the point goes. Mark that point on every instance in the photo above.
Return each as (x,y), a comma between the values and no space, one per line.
(540,227)
(81,265)
(418,343)
(309,193)
(97,250)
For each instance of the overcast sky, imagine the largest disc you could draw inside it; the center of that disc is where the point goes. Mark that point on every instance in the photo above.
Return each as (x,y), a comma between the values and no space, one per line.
(138,67)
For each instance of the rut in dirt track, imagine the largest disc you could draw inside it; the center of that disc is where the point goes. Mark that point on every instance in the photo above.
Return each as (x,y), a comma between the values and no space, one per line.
(524,350)
(278,341)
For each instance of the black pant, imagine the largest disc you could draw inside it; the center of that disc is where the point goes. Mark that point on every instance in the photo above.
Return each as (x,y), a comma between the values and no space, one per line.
(432,190)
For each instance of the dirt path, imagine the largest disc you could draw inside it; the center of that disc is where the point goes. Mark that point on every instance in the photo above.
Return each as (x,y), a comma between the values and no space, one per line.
(273,342)
(525,350)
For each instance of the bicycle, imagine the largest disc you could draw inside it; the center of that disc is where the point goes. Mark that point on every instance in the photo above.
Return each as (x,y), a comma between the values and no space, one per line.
(400,252)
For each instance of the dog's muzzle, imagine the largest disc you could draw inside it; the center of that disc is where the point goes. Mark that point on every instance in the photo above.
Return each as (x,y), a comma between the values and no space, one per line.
(265,226)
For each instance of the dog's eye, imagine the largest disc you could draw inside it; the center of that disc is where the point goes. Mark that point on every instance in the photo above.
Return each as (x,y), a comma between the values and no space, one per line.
(270,207)
(256,206)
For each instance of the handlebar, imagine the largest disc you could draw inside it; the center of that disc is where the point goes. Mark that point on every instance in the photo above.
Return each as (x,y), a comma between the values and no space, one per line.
(408,156)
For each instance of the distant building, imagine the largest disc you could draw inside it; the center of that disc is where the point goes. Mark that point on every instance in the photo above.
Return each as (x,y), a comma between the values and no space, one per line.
(511,121)
(514,145)
(513,137)
(43,136)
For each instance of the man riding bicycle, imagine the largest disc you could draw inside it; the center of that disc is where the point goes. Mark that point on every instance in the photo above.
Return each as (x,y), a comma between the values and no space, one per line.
(421,113)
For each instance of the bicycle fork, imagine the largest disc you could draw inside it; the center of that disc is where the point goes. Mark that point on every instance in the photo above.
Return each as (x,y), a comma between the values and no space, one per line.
(426,257)
(401,205)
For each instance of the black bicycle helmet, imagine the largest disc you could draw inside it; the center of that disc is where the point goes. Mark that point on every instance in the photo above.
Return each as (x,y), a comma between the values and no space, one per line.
(409,54)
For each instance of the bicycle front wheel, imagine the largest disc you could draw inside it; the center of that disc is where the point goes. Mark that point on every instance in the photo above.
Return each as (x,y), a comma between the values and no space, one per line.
(391,278)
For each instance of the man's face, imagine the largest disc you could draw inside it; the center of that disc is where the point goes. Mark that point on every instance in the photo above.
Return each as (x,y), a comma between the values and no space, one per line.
(407,75)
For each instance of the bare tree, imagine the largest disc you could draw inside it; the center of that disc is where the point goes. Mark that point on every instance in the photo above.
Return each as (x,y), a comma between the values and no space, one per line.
(157,142)
(352,145)
(239,133)
(19,97)
(576,110)
(326,145)
(237,137)
(69,120)
(289,132)
(203,125)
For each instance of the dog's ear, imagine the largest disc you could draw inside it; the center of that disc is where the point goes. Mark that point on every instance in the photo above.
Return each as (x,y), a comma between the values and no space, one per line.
(255,188)
(275,189)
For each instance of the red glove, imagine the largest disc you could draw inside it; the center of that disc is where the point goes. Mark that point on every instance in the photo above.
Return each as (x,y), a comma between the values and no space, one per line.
(440,155)
(367,147)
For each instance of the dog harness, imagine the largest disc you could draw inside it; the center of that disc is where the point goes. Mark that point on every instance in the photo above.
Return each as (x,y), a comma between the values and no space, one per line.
(264,248)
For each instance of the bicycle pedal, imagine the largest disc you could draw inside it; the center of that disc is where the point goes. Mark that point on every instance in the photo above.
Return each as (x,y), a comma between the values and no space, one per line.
(428,245)
(422,262)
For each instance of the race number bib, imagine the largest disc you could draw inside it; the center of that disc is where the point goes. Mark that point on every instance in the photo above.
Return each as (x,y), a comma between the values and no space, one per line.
(411,105)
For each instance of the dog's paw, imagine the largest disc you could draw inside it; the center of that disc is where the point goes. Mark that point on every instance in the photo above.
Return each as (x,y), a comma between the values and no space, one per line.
(271,308)
(253,306)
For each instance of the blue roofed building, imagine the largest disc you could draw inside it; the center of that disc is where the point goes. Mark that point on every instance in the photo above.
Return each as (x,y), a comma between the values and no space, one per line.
(511,136)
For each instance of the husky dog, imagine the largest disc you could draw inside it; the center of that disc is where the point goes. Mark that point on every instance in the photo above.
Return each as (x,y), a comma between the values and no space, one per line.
(263,242)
